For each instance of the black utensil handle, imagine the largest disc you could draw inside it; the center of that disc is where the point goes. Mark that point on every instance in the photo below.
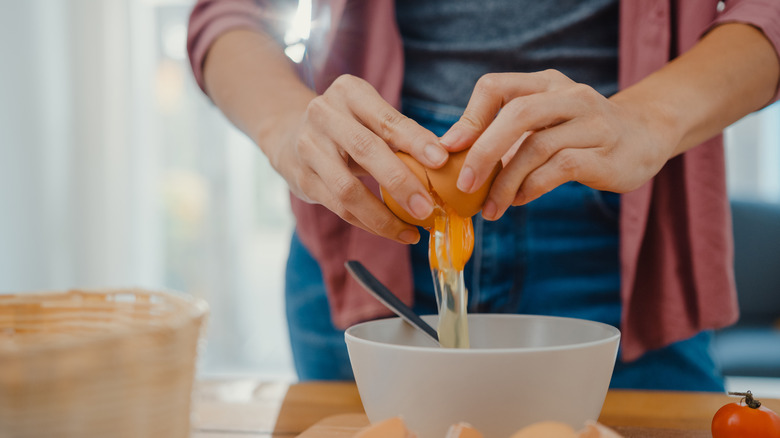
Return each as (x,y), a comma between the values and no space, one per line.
(383,294)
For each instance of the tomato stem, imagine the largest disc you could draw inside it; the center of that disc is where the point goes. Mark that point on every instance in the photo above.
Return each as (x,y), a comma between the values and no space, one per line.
(749,400)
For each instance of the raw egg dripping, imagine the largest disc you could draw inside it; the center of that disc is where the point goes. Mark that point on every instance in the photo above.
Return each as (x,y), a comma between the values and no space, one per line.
(459,242)
(451,240)
(450,246)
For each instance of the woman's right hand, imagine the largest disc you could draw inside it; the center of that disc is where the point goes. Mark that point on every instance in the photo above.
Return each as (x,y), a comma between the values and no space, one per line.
(346,132)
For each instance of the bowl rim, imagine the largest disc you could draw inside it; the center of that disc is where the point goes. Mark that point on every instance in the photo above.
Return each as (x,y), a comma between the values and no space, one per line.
(614,336)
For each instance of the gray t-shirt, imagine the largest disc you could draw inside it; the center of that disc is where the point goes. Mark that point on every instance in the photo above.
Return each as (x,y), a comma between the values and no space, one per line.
(449,44)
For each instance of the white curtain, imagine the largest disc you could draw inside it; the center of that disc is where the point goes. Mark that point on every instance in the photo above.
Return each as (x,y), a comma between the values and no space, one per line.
(116,171)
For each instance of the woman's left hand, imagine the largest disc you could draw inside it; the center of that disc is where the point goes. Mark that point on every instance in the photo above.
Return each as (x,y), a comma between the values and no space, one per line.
(550,130)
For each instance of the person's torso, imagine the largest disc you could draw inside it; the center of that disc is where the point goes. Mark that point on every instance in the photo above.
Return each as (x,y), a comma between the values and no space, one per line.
(450,44)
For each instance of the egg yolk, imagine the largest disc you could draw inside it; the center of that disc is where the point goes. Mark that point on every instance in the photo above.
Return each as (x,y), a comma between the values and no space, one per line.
(450,247)
(458,243)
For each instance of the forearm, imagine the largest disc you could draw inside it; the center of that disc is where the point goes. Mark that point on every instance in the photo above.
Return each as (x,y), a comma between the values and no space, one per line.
(250,79)
(732,71)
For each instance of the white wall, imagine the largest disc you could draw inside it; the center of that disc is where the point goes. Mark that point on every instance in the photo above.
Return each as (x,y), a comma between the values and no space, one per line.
(116,171)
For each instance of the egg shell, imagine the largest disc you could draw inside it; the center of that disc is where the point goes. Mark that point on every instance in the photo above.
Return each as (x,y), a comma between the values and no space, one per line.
(444,182)
(419,171)
(546,429)
(390,428)
(463,430)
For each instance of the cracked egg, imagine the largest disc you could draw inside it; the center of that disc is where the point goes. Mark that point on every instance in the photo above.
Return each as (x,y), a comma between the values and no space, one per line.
(441,183)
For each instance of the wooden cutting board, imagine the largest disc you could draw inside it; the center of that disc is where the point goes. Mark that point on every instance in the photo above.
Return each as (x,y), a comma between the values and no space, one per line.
(347,425)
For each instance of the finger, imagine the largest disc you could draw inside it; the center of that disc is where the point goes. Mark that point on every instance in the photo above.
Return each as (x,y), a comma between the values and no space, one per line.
(325,178)
(406,235)
(394,128)
(528,113)
(533,153)
(319,194)
(348,197)
(372,154)
(491,93)
(566,165)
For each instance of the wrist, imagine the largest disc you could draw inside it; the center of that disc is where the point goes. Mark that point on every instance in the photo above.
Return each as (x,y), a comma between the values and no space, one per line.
(732,71)
(655,119)
(274,133)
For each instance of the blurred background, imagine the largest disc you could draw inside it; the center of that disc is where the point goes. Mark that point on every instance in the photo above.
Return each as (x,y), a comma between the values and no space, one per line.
(116,171)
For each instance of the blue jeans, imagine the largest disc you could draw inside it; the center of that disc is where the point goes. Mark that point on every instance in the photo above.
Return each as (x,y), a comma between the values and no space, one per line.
(557,255)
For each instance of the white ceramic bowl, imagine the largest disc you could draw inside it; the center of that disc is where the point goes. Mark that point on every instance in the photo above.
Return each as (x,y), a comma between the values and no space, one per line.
(521,369)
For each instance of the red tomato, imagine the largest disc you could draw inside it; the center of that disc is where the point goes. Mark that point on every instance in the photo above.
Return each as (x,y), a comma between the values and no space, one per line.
(745,419)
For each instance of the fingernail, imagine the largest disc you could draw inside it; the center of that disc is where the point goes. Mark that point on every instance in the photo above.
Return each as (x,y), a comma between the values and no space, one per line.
(489,210)
(421,207)
(450,137)
(435,154)
(409,236)
(466,179)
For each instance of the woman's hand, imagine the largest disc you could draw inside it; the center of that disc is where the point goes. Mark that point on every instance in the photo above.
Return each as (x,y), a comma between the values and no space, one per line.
(349,131)
(550,130)
(615,144)
(320,144)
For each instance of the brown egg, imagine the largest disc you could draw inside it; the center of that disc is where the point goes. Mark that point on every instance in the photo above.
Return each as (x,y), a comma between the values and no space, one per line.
(463,430)
(391,428)
(419,171)
(443,183)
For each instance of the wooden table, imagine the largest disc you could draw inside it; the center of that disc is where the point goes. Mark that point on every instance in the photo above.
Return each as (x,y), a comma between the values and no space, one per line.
(252,409)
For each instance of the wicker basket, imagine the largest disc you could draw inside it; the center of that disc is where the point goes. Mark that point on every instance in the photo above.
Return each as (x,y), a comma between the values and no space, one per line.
(98,364)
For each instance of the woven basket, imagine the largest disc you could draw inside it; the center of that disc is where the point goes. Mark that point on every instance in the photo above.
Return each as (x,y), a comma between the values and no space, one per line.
(98,364)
